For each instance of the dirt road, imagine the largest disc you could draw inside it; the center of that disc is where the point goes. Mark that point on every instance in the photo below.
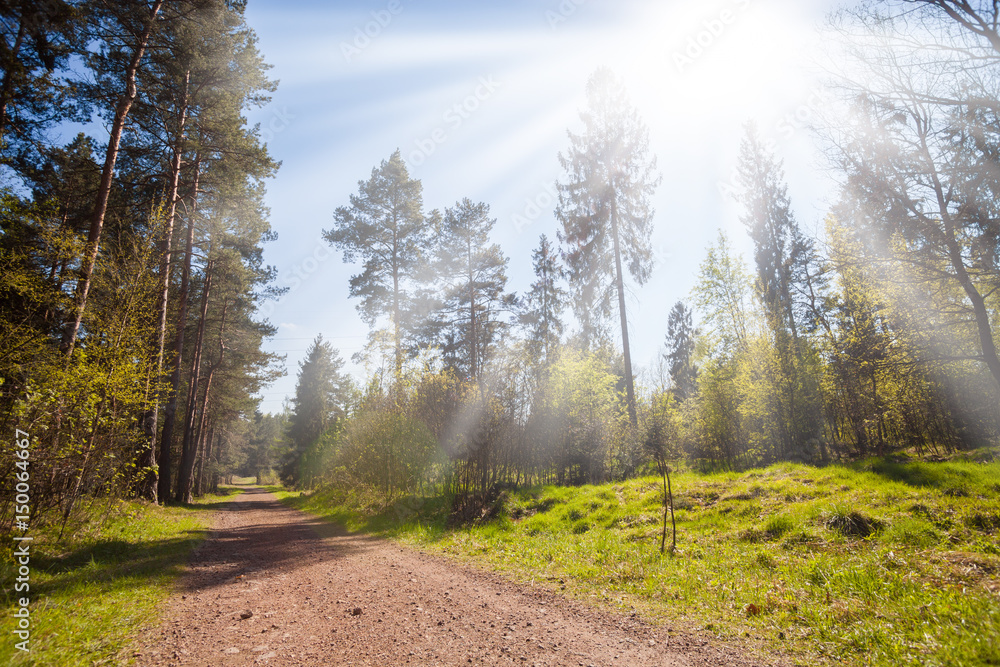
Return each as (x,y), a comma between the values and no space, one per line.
(274,586)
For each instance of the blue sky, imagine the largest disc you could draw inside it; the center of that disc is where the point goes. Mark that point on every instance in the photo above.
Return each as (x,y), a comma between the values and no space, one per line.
(478,97)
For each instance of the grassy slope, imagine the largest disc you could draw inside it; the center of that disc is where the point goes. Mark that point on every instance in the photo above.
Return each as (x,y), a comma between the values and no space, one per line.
(762,554)
(94,593)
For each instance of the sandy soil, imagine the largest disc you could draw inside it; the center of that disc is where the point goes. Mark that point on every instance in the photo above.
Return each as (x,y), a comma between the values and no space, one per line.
(275,586)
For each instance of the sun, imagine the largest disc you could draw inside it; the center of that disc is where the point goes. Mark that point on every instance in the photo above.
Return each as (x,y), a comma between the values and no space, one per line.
(691,60)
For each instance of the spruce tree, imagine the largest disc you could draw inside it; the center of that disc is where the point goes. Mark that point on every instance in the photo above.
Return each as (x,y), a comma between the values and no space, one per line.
(680,351)
(543,305)
(320,397)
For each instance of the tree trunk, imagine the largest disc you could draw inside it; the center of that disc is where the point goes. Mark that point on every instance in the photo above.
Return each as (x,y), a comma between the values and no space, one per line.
(122,109)
(473,333)
(987,345)
(185,482)
(150,484)
(170,411)
(205,458)
(395,307)
(620,283)
(187,444)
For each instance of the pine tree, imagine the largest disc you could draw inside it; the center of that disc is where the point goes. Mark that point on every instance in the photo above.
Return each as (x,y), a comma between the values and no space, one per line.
(384,227)
(604,207)
(193,93)
(467,293)
(779,246)
(36,44)
(135,22)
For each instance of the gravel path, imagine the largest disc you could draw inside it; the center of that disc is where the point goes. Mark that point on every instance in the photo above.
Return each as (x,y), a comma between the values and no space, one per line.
(275,586)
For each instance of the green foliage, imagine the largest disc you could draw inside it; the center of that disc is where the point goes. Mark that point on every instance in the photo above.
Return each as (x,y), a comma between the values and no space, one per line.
(543,305)
(680,354)
(321,397)
(83,259)
(80,413)
(386,229)
(386,449)
(467,295)
(578,410)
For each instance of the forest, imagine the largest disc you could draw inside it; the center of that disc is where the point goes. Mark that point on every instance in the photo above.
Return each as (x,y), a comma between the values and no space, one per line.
(133,279)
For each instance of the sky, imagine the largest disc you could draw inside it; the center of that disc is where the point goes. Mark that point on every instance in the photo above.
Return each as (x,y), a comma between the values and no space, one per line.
(478,97)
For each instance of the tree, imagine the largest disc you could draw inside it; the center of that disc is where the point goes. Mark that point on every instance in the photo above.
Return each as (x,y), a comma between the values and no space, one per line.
(135,23)
(779,246)
(227,339)
(781,253)
(469,278)
(680,351)
(542,307)
(38,39)
(723,297)
(264,437)
(661,442)
(385,228)
(140,70)
(919,158)
(604,206)
(320,397)
(195,91)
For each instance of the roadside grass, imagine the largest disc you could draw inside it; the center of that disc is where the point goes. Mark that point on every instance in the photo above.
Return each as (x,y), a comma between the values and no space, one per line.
(875,563)
(93,593)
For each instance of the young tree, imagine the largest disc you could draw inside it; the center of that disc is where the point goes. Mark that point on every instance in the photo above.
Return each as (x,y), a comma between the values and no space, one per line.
(604,206)
(320,397)
(661,443)
(723,297)
(680,351)
(385,228)
(542,307)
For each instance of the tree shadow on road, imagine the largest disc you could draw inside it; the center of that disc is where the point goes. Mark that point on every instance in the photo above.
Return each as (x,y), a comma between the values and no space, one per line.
(295,539)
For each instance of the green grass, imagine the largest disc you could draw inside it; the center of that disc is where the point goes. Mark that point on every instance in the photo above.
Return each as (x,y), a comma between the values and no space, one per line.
(92,594)
(876,563)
